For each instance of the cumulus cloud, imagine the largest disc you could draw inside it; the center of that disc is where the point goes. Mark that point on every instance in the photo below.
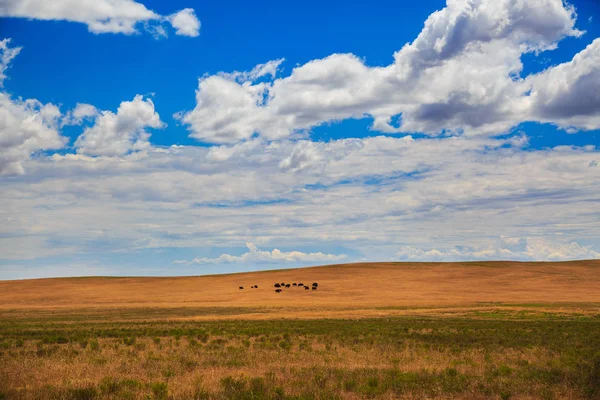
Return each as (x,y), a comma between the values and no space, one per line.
(530,249)
(185,22)
(6,55)
(101,16)
(462,73)
(569,94)
(118,134)
(254,255)
(80,113)
(26,126)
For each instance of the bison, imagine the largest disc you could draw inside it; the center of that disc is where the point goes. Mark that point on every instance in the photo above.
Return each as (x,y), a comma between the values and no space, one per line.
(287,285)
(294,284)
(241,287)
(277,290)
(277,285)
(315,284)
(314,288)
(306,288)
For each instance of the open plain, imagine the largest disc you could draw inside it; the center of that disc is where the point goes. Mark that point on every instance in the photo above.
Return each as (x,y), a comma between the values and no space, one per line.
(503,330)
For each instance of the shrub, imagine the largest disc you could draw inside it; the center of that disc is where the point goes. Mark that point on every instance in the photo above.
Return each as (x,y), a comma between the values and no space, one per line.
(203,336)
(233,388)
(84,393)
(94,345)
(160,390)
(505,396)
(285,345)
(258,386)
(109,385)
(129,341)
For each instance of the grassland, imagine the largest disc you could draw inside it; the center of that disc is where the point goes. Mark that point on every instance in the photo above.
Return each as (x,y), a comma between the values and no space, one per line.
(448,331)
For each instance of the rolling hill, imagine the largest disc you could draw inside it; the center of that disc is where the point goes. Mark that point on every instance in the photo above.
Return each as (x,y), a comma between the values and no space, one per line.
(345,290)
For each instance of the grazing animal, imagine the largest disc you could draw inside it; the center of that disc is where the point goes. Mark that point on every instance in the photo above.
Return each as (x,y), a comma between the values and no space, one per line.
(282,284)
(294,284)
(277,290)
(241,287)
(287,285)
(315,284)
(277,285)
(314,288)
(255,286)
(301,284)
(306,288)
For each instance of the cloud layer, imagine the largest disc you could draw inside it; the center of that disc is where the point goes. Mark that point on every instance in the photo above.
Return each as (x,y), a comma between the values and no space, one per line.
(505,249)
(262,256)
(372,195)
(102,16)
(462,73)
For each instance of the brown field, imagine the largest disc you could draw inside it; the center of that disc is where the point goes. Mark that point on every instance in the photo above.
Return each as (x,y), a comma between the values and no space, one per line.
(481,330)
(346,290)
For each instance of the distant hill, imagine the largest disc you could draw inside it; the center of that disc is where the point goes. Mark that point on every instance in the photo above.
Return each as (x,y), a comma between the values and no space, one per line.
(373,286)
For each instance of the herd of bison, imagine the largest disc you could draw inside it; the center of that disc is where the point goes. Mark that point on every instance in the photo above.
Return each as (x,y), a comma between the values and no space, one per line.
(280,286)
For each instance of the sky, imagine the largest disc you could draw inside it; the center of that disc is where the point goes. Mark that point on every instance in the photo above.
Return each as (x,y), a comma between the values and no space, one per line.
(188,138)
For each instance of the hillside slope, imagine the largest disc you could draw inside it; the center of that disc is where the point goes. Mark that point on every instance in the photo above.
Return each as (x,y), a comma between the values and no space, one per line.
(348,286)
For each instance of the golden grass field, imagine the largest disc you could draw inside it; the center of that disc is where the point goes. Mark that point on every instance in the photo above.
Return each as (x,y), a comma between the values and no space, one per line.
(364,288)
(480,330)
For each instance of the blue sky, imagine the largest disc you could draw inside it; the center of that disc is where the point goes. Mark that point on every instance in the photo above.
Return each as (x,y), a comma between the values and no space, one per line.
(191,138)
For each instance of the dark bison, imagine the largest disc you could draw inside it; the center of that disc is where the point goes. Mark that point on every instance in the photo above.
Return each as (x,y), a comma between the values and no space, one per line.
(282,284)
(277,285)
(277,290)
(315,284)
(314,288)
(294,284)
(306,288)
(241,287)
(255,286)
(301,284)
(287,285)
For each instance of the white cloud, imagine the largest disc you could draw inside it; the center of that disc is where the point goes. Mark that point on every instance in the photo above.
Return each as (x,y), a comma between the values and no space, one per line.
(185,22)
(26,126)
(118,134)
(80,113)
(6,55)
(100,16)
(461,73)
(267,69)
(254,255)
(530,249)
(569,94)
(370,195)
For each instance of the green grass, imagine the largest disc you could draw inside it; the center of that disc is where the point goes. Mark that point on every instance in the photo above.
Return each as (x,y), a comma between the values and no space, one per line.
(493,357)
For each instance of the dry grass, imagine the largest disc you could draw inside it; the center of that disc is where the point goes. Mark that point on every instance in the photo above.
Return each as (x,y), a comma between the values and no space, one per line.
(394,330)
(363,289)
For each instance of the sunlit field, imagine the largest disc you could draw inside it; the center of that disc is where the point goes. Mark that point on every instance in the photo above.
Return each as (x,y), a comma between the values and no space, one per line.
(368,331)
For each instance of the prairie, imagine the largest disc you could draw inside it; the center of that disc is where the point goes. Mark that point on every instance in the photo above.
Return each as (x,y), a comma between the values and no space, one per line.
(500,330)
